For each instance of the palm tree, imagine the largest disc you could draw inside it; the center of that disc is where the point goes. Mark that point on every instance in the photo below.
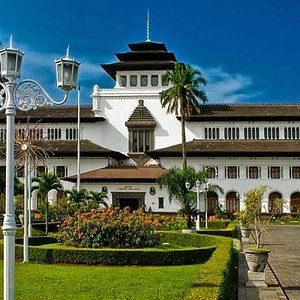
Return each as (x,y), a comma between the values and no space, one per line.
(76,198)
(46,183)
(183,96)
(98,197)
(174,181)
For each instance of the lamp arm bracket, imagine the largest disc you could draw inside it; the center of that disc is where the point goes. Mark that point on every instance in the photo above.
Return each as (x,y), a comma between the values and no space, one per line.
(29,94)
(3,96)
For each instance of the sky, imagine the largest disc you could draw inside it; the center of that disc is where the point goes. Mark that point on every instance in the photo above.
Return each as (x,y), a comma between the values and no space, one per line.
(248,50)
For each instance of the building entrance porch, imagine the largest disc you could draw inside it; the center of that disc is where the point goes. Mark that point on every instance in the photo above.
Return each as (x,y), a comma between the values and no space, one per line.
(133,200)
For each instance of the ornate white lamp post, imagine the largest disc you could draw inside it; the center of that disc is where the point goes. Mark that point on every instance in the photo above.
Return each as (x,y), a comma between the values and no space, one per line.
(26,203)
(24,96)
(196,189)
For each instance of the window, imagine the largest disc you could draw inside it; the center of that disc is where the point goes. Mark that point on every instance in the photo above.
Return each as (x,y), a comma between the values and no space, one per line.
(253,172)
(141,140)
(274,172)
(291,133)
(21,133)
(271,133)
(212,172)
(40,170)
(54,133)
(251,133)
(164,81)
(123,80)
(274,206)
(295,172)
(161,202)
(61,171)
(231,133)
(212,202)
(71,134)
(232,202)
(154,80)
(232,172)
(144,80)
(133,80)
(212,133)
(2,134)
(295,202)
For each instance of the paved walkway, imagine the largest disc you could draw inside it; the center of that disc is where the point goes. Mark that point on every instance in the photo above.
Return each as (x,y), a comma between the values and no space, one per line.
(283,272)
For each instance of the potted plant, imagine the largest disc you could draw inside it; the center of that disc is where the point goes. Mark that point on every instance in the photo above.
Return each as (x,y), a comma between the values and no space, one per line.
(256,256)
(245,221)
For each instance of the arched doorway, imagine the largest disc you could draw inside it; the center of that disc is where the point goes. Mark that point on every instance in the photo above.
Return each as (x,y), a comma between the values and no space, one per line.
(232,202)
(295,202)
(273,206)
(212,202)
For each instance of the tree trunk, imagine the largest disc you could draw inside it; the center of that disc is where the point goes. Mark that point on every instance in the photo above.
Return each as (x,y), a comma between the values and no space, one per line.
(47,208)
(189,222)
(183,140)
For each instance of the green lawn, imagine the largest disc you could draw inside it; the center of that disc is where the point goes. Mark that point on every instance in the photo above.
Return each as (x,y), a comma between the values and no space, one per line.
(36,281)
(191,282)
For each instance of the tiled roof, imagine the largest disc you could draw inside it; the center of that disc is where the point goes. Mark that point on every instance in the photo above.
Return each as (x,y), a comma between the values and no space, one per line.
(238,148)
(122,174)
(244,112)
(68,148)
(61,114)
(142,56)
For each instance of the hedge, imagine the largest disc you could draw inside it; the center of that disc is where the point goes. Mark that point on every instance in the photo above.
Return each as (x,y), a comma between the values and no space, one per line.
(37,240)
(229,231)
(121,256)
(193,240)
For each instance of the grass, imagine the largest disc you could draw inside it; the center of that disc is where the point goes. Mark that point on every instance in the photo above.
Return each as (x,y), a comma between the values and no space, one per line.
(54,282)
(36,281)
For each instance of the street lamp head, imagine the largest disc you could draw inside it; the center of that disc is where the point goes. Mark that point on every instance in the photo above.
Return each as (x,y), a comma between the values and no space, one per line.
(67,72)
(10,62)
(187,185)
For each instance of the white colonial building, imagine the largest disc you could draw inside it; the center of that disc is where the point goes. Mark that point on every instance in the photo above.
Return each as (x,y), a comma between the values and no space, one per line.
(128,140)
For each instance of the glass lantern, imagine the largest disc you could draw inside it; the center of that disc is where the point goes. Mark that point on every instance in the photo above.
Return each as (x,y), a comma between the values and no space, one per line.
(10,62)
(67,73)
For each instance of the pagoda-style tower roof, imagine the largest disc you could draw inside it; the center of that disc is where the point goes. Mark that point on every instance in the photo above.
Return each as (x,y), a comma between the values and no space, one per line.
(146,56)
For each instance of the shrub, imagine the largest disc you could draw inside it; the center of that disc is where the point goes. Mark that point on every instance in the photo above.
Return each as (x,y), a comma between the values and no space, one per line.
(163,222)
(110,227)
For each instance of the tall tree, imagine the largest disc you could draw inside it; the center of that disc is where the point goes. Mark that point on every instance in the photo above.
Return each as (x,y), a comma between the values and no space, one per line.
(174,181)
(183,96)
(45,184)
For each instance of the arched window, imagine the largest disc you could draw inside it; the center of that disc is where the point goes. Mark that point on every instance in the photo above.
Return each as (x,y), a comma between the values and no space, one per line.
(212,202)
(274,207)
(295,202)
(232,202)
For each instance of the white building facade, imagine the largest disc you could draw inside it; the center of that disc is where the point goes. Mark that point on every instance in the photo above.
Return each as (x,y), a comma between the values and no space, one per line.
(128,140)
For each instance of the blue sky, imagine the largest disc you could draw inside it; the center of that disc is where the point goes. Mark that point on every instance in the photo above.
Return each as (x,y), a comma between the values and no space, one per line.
(249,50)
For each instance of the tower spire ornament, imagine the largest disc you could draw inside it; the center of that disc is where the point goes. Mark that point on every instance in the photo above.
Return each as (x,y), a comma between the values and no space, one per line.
(148,27)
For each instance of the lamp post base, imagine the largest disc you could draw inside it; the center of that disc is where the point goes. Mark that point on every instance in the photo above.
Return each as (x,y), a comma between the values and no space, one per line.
(9,232)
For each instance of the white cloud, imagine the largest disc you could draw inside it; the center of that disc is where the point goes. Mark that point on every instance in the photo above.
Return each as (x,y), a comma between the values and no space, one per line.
(224,87)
